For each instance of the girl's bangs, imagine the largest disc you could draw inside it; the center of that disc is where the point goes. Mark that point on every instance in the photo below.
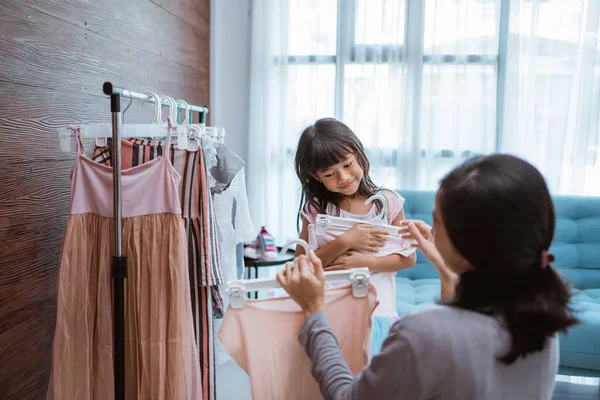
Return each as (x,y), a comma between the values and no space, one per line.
(327,153)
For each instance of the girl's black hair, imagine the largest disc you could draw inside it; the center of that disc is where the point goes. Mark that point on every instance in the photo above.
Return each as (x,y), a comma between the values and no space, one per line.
(322,145)
(499,215)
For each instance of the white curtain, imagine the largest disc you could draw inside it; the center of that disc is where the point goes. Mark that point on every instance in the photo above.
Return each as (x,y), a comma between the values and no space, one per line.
(285,96)
(553,90)
(425,85)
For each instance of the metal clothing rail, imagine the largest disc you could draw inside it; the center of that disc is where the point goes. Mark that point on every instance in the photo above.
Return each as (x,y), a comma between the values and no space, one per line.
(119,264)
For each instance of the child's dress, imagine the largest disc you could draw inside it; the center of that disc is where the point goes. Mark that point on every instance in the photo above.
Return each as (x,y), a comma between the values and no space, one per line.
(384,282)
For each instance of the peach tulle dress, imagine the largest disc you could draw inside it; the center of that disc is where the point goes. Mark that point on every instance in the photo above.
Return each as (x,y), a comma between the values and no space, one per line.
(161,358)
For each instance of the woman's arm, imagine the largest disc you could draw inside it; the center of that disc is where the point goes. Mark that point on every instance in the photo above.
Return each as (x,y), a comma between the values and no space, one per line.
(421,232)
(392,374)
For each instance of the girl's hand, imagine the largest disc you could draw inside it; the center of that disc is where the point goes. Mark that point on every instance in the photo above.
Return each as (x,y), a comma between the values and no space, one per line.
(352,259)
(365,237)
(305,287)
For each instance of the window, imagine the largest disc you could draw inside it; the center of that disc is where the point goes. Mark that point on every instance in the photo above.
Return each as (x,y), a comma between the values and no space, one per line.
(369,54)
(371,50)
(428,84)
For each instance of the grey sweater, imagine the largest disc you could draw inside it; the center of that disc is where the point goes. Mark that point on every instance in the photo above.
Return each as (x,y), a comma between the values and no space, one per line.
(442,353)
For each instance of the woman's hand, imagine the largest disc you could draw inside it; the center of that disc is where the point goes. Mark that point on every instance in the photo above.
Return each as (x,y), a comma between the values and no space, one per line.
(349,260)
(305,287)
(365,237)
(421,232)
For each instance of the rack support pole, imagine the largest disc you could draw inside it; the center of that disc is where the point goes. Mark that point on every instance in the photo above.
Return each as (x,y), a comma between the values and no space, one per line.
(119,271)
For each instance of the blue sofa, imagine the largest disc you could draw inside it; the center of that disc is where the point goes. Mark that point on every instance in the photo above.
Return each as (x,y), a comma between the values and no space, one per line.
(577,249)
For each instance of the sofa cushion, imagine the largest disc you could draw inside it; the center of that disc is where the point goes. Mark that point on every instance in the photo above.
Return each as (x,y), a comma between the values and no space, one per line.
(576,244)
(580,347)
(415,294)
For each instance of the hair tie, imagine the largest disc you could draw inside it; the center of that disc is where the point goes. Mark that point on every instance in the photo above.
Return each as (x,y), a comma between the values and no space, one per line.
(546,258)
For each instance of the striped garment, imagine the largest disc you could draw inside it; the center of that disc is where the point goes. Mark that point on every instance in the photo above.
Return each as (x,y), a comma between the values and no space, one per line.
(203,245)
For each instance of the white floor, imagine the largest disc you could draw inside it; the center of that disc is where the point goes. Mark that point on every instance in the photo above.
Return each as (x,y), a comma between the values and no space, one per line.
(232,382)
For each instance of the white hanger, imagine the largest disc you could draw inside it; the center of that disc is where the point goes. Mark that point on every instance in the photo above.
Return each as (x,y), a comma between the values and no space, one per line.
(190,133)
(324,221)
(180,137)
(216,133)
(358,277)
(379,196)
(103,131)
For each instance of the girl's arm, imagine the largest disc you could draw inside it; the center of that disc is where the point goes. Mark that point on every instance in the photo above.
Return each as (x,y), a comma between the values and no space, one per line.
(391,263)
(327,253)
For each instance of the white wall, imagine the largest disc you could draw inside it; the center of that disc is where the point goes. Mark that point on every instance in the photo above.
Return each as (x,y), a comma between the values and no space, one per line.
(230,71)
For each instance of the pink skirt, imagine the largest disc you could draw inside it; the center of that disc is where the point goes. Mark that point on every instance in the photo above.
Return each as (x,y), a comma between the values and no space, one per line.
(160,352)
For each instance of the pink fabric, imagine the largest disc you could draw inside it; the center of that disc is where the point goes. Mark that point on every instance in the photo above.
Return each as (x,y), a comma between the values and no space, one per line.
(152,187)
(161,357)
(274,359)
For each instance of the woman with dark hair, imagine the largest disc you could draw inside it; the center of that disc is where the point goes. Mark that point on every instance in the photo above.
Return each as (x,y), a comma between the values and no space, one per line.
(494,335)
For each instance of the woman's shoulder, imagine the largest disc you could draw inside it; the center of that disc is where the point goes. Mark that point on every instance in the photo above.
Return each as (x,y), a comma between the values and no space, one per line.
(438,323)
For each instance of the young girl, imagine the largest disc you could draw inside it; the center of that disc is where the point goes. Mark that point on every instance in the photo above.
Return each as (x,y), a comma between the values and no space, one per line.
(334,172)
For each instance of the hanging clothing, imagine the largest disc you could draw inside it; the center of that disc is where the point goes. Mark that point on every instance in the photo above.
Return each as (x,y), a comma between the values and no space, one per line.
(233,218)
(161,357)
(273,358)
(385,282)
(194,197)
(227,167)
(204,270)
(234,222)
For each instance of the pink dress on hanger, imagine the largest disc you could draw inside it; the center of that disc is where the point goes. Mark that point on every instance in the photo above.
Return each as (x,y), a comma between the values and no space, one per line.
(161,358)
(262,338)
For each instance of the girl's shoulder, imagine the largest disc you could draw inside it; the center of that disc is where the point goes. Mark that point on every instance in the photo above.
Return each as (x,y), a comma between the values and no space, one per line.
(395,203)
(309,212)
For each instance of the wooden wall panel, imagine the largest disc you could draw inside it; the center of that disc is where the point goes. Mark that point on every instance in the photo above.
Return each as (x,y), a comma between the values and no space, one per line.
(55,55)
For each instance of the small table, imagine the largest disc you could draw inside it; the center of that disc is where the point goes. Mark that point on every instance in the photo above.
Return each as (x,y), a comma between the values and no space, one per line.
(256,263)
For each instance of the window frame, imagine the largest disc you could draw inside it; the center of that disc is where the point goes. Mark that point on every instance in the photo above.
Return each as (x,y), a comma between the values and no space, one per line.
(413,52)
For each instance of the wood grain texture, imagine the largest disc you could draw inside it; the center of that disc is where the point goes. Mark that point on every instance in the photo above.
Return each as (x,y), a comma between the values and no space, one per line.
(31,116)
(191,11)
(38,49)
(138,24)
(55,55)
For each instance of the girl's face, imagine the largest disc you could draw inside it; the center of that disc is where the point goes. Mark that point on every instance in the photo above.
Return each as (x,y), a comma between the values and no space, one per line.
(343,178)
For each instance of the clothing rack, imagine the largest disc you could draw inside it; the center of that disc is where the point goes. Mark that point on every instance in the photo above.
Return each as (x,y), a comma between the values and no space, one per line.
(119,271)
